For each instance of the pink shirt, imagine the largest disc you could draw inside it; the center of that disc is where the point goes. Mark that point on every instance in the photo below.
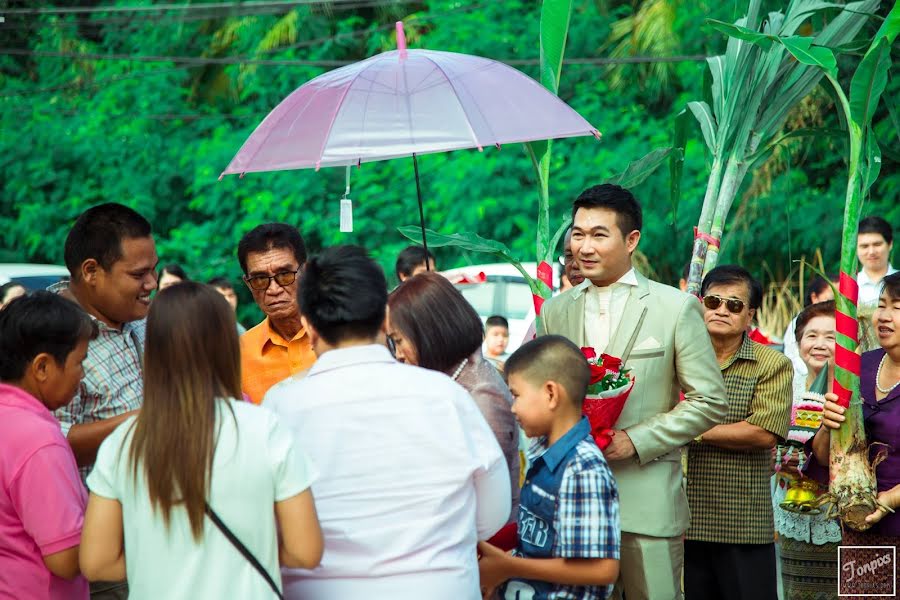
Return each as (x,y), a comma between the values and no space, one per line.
(42,500)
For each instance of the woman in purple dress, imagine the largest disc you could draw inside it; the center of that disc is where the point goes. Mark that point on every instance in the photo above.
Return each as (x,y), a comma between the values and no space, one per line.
(880,391)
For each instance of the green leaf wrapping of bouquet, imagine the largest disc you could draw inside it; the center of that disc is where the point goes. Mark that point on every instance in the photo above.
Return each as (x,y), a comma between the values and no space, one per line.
(475,243)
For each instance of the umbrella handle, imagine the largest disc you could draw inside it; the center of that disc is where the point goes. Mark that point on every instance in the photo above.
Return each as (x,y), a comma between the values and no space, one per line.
(421,212)
(401,39)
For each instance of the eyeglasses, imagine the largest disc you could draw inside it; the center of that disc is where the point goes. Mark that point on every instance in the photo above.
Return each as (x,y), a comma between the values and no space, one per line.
(262,282)
(732,304)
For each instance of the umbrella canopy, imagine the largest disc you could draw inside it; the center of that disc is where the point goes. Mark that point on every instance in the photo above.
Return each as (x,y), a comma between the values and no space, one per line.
(404,103)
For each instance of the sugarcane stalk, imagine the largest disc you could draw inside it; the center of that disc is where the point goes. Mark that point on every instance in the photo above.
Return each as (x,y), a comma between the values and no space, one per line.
(731,180)
(698,254)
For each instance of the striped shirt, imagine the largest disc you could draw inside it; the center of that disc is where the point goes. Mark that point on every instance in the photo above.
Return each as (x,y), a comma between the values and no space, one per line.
(728,490)
(113,378)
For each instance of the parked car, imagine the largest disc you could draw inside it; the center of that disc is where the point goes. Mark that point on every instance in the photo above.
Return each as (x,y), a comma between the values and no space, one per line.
(499,289)
(32,277)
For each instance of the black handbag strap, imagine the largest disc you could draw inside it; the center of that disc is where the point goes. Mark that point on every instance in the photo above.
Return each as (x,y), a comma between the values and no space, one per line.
(242,549)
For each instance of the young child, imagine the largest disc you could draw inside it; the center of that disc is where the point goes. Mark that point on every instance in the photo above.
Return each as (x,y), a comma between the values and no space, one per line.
(569,508)
(496,339)
(43,340)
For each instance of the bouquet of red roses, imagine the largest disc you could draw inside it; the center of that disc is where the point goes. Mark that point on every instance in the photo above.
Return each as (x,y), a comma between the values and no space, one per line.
(607,392)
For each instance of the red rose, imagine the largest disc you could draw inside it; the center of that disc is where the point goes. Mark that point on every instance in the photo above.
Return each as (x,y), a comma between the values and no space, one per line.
(589,353)
(611,363)
(597,373)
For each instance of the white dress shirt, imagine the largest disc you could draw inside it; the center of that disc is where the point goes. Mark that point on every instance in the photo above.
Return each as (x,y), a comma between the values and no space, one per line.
(603,307)
(870,290)
(411,477)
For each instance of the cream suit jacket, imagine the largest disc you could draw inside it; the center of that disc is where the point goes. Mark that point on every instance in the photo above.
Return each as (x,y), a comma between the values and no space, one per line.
(671,351)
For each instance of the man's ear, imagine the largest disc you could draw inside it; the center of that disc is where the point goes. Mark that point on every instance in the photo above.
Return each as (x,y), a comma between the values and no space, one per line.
(90,269)
(632,240)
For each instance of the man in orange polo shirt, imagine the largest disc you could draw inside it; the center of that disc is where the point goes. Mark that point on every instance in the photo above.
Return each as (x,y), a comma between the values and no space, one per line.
(271,257)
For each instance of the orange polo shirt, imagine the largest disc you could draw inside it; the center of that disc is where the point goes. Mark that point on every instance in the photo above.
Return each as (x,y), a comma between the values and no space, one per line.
(267,358)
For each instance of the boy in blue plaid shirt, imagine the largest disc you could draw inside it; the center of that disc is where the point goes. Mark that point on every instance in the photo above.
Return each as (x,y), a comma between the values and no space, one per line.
(568,523)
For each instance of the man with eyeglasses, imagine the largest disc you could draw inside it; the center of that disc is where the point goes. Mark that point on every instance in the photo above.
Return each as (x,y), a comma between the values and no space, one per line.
(729,549)
(271,256)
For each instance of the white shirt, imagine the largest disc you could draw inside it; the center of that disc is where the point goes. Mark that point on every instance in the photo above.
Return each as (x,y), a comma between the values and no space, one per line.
(603,308)
(411,478)
(870,290)
(792,348)
(256,464)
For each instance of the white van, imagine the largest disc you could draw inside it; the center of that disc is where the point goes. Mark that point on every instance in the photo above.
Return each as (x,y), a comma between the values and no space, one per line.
(32,277)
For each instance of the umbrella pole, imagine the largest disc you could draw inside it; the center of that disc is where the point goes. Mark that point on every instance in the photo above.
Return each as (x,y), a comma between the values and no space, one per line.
(421,212)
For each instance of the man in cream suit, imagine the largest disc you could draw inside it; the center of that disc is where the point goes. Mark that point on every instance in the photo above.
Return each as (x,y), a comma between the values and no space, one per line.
(660,334)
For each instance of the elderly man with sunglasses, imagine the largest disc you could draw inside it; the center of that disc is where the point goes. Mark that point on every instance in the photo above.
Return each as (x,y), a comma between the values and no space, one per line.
(729,550)
(271,256)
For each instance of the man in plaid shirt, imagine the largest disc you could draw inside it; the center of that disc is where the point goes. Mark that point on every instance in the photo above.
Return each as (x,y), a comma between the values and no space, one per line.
(568,522)
(111,257)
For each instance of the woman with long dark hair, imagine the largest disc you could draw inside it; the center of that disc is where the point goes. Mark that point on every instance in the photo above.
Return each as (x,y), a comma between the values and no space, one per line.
(195,466)
(431,325)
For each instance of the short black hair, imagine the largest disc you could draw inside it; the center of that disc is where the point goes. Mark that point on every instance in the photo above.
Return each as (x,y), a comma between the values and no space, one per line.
(730,274)
(98,233)
(820,309)
(891,285)
(176,270)
(876,225)
(6,287)
(496,321)
(817,285)
(268,236)
(41,322)
(551,358)
(343,294)
(410,258)
(629,216)
(221,283)
(686,271)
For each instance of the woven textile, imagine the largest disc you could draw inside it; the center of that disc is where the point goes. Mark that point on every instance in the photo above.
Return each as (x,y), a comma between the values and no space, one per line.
(113,378)
(881,582)
(808,571)
(728,491)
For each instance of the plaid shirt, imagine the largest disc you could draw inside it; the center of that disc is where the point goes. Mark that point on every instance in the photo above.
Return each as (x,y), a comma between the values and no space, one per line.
(586,519)
(728,490)
(113,378)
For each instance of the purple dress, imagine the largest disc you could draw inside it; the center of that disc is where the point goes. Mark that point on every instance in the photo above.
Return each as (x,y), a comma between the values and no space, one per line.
(882,423)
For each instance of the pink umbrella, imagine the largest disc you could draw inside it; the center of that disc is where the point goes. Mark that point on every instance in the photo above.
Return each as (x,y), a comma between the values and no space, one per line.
(405,103)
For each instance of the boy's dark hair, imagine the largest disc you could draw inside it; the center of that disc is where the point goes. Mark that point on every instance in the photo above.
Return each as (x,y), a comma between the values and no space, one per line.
(817,285)
(410,258)
(343,294)
(436,320)
(876,225)
(730,274)
(268,236)
(496,321)
(891,285)
(221,283)
(176,270)
(98,233)
(41,322)
(629,216)
(6,287)
(686,271)
(819,309)
(552,358)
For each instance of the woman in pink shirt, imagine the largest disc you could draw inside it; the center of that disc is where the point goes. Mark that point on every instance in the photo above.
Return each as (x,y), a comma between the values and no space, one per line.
(43,340)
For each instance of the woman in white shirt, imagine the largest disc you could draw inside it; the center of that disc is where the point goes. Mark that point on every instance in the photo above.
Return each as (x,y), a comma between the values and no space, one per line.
(191,444)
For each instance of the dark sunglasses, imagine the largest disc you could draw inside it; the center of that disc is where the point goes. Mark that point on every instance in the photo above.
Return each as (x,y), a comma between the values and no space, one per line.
(262,282)
(732,304)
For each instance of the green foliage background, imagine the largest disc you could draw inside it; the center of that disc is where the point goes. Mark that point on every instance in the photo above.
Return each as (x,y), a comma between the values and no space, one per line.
(155,135)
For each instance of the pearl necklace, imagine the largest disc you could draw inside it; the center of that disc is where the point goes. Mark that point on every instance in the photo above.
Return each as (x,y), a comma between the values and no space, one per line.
(878,378)
(465,362)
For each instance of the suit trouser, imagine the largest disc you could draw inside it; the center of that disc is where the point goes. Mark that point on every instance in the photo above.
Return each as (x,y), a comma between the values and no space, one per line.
(649,568)
(714,571)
